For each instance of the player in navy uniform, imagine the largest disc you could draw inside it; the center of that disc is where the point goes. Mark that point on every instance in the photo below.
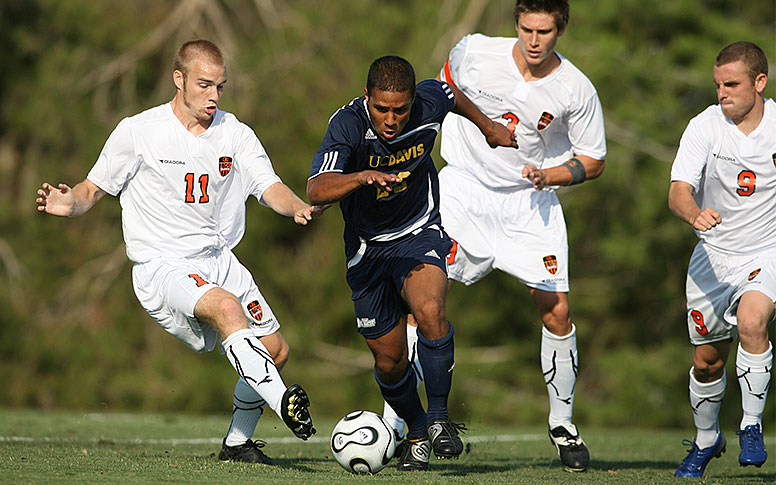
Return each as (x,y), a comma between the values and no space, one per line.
(376,161)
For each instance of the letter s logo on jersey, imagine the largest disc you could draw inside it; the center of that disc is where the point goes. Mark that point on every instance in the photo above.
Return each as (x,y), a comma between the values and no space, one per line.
(224,165)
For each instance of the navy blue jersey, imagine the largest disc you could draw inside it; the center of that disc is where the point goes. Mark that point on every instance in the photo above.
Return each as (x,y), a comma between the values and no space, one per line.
(351,145)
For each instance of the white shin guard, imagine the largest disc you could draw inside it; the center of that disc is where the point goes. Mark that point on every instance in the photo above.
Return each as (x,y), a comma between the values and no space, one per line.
(255,365)
(560,360)
(706,401)
(754,377)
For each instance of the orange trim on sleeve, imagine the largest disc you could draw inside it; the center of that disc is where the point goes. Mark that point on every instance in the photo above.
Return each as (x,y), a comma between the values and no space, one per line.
(448,75)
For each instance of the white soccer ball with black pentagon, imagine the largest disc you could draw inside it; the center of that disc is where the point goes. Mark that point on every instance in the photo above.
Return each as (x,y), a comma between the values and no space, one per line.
(363,442)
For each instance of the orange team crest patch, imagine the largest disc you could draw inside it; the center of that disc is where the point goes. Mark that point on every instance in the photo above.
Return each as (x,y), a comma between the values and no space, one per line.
(254,308)
(774,159)
(753,274)
(545,120)
(551,263)
(225,165)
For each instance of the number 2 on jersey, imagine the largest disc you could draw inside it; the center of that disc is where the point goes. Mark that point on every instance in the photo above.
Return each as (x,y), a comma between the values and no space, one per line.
(203,180)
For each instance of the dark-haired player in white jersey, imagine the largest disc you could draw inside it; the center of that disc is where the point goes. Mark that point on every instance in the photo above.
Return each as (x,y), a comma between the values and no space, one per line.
(500,206)
(174,166)
(375,160)
(723,183)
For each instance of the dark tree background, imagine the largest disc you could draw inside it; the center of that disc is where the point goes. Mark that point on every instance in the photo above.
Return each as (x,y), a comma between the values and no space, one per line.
(72,334)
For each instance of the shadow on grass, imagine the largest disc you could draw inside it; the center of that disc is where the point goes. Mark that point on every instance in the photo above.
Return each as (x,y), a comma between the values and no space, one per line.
(765,477)
(305,464)
(453,468)
(606,465)
(670,467)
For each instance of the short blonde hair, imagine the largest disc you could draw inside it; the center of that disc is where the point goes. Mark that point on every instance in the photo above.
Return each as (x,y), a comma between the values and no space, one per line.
(195,49)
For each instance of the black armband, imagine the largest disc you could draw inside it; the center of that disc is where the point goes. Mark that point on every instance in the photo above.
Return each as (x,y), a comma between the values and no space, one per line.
(577,169)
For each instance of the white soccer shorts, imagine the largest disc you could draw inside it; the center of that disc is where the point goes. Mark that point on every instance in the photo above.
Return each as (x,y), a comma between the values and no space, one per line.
(168,289)
(520,232)
(715,283)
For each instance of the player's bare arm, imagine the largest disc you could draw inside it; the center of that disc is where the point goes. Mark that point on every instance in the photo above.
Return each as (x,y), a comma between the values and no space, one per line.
(328,188)
(683,205)
(64,201)
(280,198)
(576,170)
(496,134)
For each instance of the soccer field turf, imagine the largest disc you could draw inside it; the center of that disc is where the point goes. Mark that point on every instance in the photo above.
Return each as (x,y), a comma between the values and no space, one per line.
(47,447)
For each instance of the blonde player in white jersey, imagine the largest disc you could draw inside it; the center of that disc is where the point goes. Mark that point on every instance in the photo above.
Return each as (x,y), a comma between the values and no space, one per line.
(500,205)
(171,166)
(723,183)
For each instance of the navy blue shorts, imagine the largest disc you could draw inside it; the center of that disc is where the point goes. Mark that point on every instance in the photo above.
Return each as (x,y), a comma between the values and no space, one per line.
(376,277)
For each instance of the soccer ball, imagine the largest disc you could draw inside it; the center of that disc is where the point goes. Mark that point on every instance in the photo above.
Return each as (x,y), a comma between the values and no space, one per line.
(363,442)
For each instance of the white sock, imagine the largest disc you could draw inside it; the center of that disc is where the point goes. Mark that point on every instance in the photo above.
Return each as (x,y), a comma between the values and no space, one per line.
(393,419)
(559,365)
(706,401)
(255,365)
(247,409)
(412,344)
(754,377)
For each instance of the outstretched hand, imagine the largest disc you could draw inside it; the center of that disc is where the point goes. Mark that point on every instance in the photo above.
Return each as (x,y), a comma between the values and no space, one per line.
(499,136)
(309,212)
(57,201)
(374,177)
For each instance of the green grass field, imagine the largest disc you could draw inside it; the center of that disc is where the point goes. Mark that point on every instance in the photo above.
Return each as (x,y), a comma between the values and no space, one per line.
(49,447)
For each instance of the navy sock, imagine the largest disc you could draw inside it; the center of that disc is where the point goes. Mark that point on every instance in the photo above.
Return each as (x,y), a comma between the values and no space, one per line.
(403,398)
(437,359)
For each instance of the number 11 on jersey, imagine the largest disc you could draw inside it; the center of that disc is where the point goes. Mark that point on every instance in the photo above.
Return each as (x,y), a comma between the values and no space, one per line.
(203,180)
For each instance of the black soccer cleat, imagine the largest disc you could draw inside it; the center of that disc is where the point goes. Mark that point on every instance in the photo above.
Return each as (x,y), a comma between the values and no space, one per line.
(415,455)
(247,452)
(444,438)
(571,449)
(294,410)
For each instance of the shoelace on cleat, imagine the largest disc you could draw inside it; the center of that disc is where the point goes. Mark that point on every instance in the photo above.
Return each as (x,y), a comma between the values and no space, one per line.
(689,457)
(455,428)
(749,441)
(572,441)
(257,443)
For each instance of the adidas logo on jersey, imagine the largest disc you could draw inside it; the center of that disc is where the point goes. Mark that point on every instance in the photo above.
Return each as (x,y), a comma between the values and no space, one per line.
(433,254)
(370,135)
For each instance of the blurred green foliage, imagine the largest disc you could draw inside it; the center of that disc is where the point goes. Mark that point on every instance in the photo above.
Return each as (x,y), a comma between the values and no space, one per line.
(72,334)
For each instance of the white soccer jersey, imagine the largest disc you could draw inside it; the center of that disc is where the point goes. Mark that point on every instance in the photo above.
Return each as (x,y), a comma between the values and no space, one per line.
(733,174)
(173,184)
(553,118)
